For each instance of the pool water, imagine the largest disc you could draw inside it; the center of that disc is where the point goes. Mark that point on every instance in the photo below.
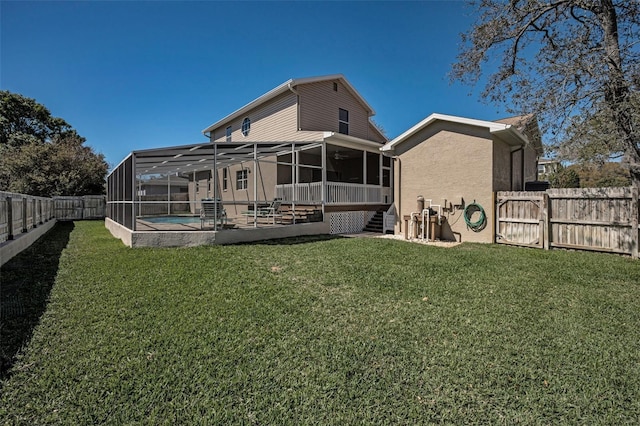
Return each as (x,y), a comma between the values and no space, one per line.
(173,219)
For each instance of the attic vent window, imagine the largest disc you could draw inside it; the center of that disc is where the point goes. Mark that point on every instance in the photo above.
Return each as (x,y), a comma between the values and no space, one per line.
(335,86)
(246,126)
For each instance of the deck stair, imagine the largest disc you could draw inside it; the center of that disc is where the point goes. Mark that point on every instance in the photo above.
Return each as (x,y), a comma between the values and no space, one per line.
(302,214)
(376,222)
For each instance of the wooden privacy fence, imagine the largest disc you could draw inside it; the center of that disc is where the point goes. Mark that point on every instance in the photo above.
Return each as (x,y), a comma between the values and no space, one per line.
(78,208)
(20,213)
(600,219)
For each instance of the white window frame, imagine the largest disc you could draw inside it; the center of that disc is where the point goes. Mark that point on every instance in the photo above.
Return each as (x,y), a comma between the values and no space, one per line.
(225,179)
(228,132)
(246,126)
(242,179)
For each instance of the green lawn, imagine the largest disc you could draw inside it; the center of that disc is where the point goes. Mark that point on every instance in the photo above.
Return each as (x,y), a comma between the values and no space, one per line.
(318,331)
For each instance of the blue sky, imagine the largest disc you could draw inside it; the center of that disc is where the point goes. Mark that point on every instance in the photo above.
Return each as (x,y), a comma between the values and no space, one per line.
(133,75)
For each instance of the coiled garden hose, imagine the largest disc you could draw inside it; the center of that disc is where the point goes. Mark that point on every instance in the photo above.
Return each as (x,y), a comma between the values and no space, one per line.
(477,225)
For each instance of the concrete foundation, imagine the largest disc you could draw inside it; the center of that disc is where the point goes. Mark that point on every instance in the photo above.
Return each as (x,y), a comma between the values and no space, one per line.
(199,238)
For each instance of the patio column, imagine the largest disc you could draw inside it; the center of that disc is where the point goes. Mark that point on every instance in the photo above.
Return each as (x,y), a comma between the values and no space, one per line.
(323,195)
(364,176)
(169,194)
(133,192)
(294,166)
(195,192)
(215,186)
(255,185)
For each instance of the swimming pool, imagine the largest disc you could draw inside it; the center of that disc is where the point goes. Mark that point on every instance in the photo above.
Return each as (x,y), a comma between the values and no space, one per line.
(184,220)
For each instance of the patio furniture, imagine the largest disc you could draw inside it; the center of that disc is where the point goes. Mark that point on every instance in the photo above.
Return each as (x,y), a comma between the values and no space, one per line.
(212,211)
(272,211)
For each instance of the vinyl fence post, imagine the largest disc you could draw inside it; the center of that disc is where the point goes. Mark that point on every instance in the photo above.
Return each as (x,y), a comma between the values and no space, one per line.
(9,218)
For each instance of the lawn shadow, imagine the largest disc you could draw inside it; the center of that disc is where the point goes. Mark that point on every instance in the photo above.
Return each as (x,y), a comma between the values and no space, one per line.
(288,241)
(27,280)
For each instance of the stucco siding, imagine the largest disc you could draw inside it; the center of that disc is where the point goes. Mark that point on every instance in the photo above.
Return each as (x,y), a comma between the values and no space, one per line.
(504,175)
(448,162)
(530,164)
(237,200)
(319,105)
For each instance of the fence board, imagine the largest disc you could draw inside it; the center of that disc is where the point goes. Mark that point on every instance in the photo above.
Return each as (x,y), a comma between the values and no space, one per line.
(20,213)
(519,218)
(602,219)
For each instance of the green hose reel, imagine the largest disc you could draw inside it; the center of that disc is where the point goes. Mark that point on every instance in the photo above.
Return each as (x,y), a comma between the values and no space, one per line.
(475,225)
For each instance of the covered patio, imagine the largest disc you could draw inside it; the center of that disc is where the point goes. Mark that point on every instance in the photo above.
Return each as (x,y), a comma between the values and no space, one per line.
(287,187)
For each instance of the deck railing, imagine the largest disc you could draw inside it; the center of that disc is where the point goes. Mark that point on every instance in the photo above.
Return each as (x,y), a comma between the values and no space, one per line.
(336,193)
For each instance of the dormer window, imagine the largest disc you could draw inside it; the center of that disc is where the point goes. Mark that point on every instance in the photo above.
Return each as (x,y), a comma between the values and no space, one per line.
(343,121)
(246,126)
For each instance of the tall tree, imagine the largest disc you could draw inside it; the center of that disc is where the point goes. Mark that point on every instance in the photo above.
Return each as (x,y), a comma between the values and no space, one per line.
(43,155)
(574,63)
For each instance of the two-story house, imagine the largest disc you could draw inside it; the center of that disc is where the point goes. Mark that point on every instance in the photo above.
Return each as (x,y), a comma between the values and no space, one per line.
(343,174)
(309,146)
(308,143)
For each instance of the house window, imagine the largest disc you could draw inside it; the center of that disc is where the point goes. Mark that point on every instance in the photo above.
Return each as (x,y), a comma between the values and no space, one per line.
(242,179)
(335,86)
(228,134)
(225,179)
(343,121)
(246,126)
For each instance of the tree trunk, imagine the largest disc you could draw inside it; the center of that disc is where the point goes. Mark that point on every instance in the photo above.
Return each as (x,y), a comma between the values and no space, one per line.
(617,92)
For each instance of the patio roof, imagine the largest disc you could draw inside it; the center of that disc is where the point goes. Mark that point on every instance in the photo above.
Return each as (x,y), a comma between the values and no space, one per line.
(201,156)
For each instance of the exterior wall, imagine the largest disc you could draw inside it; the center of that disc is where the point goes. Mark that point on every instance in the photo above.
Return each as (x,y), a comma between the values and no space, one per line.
(374,134)
(446,161)
(511,170)
(506,168)
(530,164)
(237,200)
(319,105)
(276,120)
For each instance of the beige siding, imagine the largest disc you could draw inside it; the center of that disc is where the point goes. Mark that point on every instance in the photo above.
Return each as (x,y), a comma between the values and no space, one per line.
(275,120)
(446,161)
(374,135)
(319,105)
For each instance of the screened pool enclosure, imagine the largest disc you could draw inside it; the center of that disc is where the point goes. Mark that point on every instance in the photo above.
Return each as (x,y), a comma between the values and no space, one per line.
(251,185)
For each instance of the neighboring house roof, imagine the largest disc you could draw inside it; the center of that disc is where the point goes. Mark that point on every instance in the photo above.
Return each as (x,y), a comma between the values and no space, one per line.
(520,121)
(528,125)
(290,85)
(507,132)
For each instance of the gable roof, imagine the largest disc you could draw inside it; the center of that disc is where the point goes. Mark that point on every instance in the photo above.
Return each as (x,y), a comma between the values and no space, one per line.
(520,121)
(289,85)
(507,132)
(528,125)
